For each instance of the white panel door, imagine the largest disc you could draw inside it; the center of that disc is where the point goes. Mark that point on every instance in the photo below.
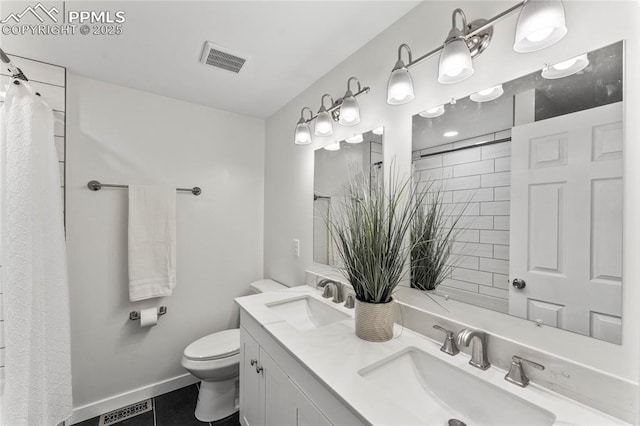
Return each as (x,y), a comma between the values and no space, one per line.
(566,221)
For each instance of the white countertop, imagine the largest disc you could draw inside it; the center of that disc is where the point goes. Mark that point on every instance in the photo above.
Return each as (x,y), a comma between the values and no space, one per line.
(334,354)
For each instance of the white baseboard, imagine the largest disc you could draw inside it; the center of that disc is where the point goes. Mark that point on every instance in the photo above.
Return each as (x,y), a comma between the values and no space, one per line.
(98,408)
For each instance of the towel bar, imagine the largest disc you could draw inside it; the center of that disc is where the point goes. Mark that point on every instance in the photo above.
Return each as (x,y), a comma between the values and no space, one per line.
(96,185)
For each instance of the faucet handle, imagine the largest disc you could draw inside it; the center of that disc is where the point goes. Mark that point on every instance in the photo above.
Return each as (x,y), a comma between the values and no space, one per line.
(516,374)
(449,345)
(517,359)
(328,292)
(351,301)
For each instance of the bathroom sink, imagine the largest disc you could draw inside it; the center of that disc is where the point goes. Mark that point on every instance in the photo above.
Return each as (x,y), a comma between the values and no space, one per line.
(437,392)
(305,312)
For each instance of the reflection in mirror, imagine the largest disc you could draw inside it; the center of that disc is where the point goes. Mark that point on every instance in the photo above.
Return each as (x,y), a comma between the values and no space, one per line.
(539,161)
(332,172)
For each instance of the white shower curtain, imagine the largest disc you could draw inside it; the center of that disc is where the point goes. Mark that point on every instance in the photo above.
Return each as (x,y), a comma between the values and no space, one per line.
(37,387)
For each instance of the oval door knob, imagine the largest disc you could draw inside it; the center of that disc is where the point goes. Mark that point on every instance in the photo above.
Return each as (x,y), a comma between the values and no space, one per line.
(254,362)
(519,284)
(259,369)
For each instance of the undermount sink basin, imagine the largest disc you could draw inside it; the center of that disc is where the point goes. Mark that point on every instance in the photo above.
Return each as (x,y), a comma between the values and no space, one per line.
(437,392)
(305,312)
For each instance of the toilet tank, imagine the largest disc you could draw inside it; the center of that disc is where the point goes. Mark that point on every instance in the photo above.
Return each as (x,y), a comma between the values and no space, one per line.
(264,286)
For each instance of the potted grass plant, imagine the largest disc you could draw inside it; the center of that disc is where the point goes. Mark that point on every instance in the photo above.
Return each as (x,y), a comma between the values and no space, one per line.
(370,230)
(433,231)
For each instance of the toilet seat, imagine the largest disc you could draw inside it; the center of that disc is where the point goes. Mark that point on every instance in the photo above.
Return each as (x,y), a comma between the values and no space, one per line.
(223,344)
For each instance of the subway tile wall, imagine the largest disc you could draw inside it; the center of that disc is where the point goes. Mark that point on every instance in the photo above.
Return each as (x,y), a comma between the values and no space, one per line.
(50,81)
(478,177)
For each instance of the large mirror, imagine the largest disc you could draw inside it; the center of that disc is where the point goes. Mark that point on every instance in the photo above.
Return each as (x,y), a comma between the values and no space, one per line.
(333,166)
(534,168)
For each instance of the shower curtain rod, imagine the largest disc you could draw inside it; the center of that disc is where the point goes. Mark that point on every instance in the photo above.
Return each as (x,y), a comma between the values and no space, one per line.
(15,71)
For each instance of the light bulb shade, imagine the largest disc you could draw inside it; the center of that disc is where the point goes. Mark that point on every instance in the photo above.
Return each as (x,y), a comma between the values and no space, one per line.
(378,130)
(455,62)
(349,111)
(487,95)
(355,139)
(333,147)
(541,23)
(302,135)
(400,87)
(324,125)
(432,112)
(566,68)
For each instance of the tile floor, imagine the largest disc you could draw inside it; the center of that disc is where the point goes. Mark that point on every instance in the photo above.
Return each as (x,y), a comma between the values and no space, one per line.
(171,409)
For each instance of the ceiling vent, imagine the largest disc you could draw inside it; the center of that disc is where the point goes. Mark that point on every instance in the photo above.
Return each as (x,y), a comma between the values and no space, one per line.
(221,58)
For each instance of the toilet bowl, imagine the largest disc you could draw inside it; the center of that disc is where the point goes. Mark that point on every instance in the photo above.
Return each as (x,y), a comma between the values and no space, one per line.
(215,360)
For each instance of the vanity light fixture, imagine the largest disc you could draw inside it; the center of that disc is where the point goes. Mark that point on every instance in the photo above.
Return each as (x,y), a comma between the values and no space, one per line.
(333,147)
(378,130)
(487,95)
(355,139)
(565,68)
(455,59)
(541,23)
(450,134)
(350,110)
(324,125)
(400,85)
(432,112)
(302,135)
(345,111)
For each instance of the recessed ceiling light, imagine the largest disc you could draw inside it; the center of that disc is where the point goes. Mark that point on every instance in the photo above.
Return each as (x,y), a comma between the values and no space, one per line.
(565,68)
(378,130)
(450,134)
(333,147)
(354,139)
(487,95)
(432,112)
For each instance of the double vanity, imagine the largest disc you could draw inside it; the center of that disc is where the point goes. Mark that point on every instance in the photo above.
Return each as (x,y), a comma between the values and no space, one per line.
(301,363)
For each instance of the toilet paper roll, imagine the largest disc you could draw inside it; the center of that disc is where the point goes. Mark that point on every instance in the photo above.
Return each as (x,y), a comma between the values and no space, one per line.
(148,317)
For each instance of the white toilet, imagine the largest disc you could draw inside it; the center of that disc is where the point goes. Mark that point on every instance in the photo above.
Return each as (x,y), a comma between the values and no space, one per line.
(215,360)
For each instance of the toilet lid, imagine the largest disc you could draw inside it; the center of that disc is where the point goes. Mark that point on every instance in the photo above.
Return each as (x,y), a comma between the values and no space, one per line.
(214,346)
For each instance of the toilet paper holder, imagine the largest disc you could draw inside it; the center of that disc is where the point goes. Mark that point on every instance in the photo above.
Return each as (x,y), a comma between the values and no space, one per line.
(135,315)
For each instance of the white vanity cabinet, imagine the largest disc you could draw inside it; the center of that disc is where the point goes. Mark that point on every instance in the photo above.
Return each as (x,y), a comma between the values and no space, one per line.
(274,386)
(268,396)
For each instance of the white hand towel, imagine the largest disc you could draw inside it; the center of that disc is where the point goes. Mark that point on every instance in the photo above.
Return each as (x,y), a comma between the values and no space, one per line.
(152,241)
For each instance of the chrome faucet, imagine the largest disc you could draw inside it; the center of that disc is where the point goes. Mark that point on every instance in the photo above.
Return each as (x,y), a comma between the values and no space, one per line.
(331,289)
(516,372)
(478,341)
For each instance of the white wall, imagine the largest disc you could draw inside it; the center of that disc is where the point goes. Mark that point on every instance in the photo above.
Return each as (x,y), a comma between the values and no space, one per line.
(119,135)
(289,168)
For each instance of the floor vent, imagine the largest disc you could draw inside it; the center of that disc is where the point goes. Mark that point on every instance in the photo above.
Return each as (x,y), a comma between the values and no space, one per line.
(124,413)
(221,58)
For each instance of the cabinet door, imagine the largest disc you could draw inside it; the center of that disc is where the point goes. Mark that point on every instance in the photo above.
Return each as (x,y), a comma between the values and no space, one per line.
(308,414)
(251,392)
(280,395)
